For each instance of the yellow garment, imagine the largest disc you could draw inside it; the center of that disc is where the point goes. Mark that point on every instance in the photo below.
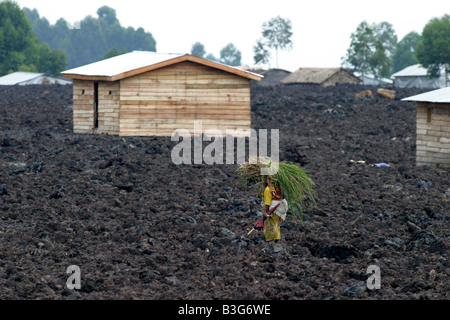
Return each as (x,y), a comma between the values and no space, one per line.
(272,224)
(267,196)
(272,228)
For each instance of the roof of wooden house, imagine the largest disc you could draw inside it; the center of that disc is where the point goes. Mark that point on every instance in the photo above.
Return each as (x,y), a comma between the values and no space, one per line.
(257,70)
(137,62)
(313,75)
(435,96)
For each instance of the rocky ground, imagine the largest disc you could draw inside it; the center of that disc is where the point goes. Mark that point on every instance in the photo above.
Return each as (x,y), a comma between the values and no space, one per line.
(141,227)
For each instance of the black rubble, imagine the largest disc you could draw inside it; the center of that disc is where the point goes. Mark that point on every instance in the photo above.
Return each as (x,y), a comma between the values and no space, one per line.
(140,227)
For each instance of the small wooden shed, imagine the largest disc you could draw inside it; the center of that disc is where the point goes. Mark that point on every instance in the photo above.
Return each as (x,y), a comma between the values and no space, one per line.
(145,93)
(433,127)
(321,76)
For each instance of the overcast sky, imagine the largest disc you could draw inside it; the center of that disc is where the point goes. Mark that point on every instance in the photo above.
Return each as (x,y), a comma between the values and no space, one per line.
(321,28)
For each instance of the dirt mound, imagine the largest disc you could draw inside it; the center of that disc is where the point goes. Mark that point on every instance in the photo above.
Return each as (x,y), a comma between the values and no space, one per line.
(140,227)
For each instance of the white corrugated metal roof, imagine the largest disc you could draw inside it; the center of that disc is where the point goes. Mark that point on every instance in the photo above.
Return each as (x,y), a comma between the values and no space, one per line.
(436,96)
(412,71)
(18,77)
(24,78)
(368,78)
(116,67)
(122,63)
(416,70)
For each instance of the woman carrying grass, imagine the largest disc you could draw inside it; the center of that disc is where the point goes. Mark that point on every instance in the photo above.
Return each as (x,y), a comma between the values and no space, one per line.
(289,188)
(273,221)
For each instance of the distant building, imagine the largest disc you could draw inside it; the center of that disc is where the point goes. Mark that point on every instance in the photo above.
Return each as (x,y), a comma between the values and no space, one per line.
(370,80)
(433,127)
(416,76)
(25,78)
(145,93)
(321,76)
(273,77)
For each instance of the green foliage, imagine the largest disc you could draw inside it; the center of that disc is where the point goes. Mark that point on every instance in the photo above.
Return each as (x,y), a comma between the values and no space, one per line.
(51,62)
(231,56)
(433,50)
(405,53)
(371,49)
(17,41)
(261,53)
(211,57)
(198,50)
(93,38)
(276,34)
(295,184)
(19,47)
(113,52)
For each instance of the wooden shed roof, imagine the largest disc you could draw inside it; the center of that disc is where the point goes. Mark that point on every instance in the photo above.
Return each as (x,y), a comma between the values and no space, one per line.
(313,75)
(136,62)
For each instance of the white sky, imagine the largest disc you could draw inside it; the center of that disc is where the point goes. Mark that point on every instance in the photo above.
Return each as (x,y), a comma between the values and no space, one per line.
(321,28)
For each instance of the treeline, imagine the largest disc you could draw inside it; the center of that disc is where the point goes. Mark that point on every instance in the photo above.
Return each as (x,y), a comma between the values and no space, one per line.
(30,43)
(375,49)
(92,38)
(20,49)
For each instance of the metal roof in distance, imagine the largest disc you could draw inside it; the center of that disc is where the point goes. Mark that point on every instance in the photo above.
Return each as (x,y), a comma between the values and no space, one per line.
(436,96)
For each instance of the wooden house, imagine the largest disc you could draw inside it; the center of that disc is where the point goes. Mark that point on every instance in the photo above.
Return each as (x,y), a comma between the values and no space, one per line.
(433,127)
(321,76)
(152,94)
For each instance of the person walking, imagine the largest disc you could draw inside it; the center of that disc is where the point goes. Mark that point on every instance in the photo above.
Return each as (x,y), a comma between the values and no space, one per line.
(272,223)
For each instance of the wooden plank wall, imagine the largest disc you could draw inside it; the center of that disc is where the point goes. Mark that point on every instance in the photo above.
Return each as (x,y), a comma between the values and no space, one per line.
(83,101)
(161,101)
(108,107)
(433,134)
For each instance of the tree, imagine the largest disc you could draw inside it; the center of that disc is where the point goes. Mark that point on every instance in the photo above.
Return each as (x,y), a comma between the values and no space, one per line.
(379,62)
(198,50)
(51,62)
(261,54)
(433,50)
(230,55)
(94,37)
(107,14)
(211,57)
(371,49)
(276,34)
(405,52)
(385,33)
(18,44)
(359,52)
(113,52)
(19,47)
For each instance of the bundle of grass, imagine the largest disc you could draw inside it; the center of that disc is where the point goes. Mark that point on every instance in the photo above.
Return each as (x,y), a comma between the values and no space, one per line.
(295,184)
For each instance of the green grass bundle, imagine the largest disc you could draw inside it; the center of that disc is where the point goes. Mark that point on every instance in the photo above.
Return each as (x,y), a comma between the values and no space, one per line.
(295,184)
